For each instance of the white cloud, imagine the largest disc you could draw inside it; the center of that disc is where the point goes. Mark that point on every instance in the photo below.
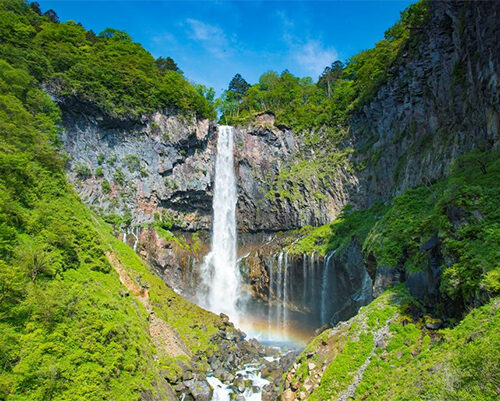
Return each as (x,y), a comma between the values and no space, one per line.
(313,56)
(212,37)
(164,38)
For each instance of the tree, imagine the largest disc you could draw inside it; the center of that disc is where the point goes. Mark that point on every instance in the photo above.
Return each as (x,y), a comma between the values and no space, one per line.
(110,33)
(52,15)
(330,75)
(167,64)
(237,88)
(36,7)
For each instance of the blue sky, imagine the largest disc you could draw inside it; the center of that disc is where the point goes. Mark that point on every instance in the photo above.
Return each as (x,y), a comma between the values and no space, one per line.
(214,39)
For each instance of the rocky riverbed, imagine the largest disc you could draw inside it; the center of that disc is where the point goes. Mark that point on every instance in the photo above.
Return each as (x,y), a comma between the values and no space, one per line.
(241,369)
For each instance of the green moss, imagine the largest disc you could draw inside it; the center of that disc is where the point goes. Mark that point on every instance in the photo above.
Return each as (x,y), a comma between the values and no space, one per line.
(339,233)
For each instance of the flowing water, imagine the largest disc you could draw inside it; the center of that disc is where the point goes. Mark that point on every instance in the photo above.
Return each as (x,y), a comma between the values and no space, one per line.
(324,288)
(250,375)
(220,287)
(219,271)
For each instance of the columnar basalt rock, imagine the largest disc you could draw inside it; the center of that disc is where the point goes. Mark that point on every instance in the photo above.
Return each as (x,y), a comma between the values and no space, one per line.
(164,163)
(440,102)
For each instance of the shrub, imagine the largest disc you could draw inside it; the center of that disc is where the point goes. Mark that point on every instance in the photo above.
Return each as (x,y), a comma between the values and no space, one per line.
(82,170)
(119,176)
(106,187)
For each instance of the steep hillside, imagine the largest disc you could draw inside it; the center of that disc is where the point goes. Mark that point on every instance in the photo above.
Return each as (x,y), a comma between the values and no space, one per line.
(81,316)
(391,350)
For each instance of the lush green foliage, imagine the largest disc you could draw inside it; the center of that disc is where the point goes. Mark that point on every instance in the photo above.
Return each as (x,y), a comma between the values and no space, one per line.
(301,104)
(458,364)
(68,328)
(412,362)
(108,70)
(463,210)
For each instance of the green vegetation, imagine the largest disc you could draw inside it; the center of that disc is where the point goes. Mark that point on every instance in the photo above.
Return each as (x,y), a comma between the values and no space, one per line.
(462,210)
(119,176)
(108,70)
(132,162)
(82,171)
(68,328)
(410,361)
(302,104)
(458,364)
(106,187)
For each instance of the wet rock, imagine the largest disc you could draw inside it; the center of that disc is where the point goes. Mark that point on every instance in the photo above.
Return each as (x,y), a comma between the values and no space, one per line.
(240,384)
(200,390)
(224,375)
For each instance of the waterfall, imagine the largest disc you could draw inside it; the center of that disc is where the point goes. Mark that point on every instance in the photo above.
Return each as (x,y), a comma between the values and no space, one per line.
(324,287)
(135,233)
(220,275)
(279,293)
(285,295)
(269,308)
(304,279)
(312,284)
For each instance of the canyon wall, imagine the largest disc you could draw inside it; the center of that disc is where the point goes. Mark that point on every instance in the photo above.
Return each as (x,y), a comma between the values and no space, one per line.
(441,100)
(164,164)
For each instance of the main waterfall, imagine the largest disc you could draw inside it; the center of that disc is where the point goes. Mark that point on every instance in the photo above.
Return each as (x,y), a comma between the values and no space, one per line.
(219,272)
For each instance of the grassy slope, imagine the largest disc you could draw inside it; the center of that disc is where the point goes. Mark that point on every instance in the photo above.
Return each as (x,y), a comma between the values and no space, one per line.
(409,362)
(68,328)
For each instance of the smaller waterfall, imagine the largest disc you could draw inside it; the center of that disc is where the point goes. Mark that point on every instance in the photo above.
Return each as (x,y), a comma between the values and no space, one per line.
(269,302)
(304,280)
(312,284)
(279,294)
(324,287)
(135,233)
(285,296)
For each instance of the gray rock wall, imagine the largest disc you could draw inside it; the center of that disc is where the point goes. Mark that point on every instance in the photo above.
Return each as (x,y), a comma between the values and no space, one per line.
(164,163)
(440,102)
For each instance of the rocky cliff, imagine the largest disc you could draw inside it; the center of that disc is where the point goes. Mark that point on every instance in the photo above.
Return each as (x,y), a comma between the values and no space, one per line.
(442,100)
(164,164)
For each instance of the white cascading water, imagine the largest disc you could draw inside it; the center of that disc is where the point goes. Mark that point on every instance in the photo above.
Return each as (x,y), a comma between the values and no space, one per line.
(324,288)
(219,272)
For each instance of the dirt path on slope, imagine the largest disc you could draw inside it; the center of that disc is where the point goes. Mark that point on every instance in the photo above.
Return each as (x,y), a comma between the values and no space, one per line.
(164,337)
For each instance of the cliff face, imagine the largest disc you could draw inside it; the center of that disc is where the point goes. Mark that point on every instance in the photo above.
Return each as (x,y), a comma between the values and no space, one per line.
(164,163)
(440,102)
